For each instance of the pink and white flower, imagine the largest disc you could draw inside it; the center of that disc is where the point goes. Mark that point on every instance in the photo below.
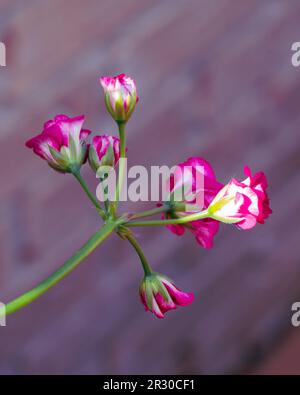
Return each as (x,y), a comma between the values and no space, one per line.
(104,151)
(120,96)
(188,172)
(245,203)
(62,143)
(159,295)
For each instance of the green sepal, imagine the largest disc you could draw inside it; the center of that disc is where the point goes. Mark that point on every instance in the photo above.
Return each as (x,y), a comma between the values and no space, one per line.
(103,172)
(93,159)
(59,158)
(226,220)
(108,105)
(218,205)
(151,285)
(161,289)
(148,293)
(73,149)
(109,157)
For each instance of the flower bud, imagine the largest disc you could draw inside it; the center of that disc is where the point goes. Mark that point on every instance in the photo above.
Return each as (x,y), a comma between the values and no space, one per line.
(62,143)
(189,172)
(120,96)
(104,152)
(244,203)
(159,294)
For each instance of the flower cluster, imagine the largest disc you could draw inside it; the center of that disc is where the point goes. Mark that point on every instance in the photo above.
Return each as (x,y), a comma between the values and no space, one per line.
(64,145)
(244,203)
(62,142)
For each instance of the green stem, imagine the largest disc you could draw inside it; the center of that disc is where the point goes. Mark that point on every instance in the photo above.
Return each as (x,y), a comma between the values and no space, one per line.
(90,195)
(105,191)
(64,270)
(106,201)
(149,213)
(138,249)
(122,136)
(176,207)
(181,220)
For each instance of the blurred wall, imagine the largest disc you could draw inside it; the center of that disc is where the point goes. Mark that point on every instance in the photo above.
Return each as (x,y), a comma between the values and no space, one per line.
(215,80)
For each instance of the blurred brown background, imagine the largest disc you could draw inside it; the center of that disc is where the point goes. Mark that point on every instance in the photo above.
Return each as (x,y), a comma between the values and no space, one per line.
(215,80)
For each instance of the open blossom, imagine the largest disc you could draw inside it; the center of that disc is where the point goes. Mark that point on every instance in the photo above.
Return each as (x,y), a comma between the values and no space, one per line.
(159,294)
(188,173)
(245,203)
(120,96)
(62,143)
(104,151)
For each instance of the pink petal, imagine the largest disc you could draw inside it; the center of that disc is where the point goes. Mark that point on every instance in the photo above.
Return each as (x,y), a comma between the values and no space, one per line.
(84,133)
(204,231)
(156,310)
(179,297)
(247,223)
(163,304)
(143,300)
(176,229)
(40,145)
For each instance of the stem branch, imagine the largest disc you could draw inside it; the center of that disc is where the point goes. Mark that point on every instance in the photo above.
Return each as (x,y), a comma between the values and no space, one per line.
(149,213)
(181,220)
(63,271)
(90,195)
(138,249)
